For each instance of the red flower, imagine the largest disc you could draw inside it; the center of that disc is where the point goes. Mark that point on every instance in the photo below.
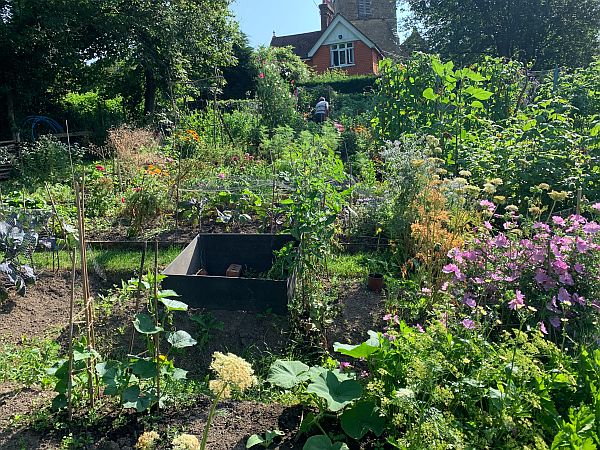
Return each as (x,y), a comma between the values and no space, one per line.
(261,75)
(100,168)
(122,199)
(137,189)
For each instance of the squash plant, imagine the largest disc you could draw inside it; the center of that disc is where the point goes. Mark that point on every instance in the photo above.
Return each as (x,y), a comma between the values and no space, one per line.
(136,379)
(328,395)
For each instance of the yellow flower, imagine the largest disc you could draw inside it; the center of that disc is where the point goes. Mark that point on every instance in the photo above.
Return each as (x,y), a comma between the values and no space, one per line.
(535,211)
(460,180)
(186,442)
(147,440)
(441,171)
(512,208)
(558,196)
(544,186)
(417,162)
(465,173)
(497,181)
(499,198)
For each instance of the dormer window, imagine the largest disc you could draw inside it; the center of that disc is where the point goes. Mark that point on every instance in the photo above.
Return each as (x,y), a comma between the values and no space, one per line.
(342,55)
(365,9)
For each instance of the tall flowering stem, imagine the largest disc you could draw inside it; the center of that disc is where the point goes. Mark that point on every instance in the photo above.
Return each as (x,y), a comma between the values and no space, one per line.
(232,373)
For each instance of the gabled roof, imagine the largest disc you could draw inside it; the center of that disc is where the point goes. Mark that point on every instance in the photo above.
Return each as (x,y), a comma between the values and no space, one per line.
(339,19)
(302,43)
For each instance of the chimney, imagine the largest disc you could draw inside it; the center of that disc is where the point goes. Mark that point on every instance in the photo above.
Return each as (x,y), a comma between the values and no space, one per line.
(326,14)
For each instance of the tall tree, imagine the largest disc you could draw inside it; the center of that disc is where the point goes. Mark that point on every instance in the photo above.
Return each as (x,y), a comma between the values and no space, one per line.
(546,32)
(43,46)
(165,44)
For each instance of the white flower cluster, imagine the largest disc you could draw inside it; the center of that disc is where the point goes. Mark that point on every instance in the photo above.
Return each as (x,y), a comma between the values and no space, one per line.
(232,372)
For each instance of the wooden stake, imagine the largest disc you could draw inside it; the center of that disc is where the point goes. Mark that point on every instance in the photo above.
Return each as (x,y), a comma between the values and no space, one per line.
(156,335)
(71,332)
(89,317)
(138,294)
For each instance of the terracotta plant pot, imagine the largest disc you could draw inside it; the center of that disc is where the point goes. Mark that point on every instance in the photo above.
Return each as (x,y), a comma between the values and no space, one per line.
(375,282)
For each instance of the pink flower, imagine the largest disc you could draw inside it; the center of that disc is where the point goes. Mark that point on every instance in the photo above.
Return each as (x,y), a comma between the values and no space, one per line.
(543,328)
(564,296)
(468,324)
(419,328)
(518,302)
(469,301)
(221,175)
(578,299)
(558,221)
(261,75)
(487,225)
(389,337)
(591,228)
(487,205)
(364,374)
(100,168)
(596,206)
(345,366)
(541,226)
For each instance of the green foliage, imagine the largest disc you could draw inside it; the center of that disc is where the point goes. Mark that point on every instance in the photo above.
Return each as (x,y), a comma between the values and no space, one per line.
(564,32)
(89,112)
(278,72)
(265,440)
(48,159)
(26,363)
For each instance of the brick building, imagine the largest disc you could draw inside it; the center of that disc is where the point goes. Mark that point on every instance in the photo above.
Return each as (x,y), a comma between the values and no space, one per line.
(354,36)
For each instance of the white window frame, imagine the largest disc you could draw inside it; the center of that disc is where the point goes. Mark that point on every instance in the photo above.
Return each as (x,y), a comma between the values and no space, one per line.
(344,51)
(365,9)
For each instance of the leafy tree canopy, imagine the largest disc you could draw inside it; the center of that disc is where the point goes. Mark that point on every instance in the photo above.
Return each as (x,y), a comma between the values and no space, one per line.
(545,32)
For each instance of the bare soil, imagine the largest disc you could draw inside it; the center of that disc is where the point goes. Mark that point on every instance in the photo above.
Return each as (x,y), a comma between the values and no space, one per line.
(43,312)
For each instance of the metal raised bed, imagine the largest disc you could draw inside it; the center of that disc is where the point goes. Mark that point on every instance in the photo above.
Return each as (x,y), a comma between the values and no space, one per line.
(215,253)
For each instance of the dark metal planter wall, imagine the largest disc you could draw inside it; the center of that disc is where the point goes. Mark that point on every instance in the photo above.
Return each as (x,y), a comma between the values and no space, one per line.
(214,253)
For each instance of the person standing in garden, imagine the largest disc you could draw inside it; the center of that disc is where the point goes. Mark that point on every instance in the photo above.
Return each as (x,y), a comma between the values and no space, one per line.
(321,110)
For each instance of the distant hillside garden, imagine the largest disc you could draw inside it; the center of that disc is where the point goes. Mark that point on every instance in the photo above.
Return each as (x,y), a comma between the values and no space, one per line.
(192,259)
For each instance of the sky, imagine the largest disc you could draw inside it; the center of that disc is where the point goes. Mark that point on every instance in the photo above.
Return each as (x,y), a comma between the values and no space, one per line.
(259,18)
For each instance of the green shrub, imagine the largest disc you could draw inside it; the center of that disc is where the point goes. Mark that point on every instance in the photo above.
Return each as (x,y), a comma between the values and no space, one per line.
(48,159)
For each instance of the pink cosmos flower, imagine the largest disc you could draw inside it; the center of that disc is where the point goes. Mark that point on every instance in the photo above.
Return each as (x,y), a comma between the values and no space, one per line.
(543,328)
(596,206)
(558,221)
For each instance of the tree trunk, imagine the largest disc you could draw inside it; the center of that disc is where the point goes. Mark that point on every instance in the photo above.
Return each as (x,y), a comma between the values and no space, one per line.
(150,92)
